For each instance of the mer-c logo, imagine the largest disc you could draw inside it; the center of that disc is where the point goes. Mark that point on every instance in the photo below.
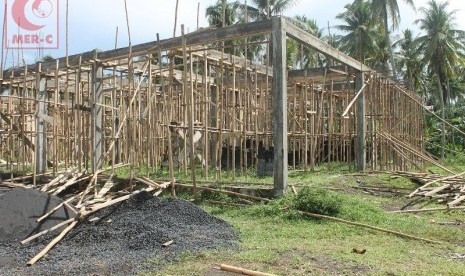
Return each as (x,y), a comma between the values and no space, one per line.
(35,24)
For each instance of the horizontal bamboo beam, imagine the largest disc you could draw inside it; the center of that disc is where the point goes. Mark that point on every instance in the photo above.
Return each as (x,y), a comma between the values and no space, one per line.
(200,37)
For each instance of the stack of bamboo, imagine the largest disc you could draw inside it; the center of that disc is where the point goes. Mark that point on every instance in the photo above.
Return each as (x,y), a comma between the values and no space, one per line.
(449,190)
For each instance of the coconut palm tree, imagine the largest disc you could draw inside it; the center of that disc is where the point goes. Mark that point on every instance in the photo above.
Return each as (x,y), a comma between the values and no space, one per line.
(442,46)
(232,11)
(409,60)
(263,9)
(388,11)
(308,57)
(360,40)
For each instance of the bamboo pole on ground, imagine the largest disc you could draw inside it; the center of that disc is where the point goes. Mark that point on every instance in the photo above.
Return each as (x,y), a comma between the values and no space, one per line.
(310,215)
(239,195)
(59,225)
(243,271)
(459,208)
(52,243)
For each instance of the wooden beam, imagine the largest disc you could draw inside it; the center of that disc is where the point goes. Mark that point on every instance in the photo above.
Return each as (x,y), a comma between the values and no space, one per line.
(200,37)
(322,47)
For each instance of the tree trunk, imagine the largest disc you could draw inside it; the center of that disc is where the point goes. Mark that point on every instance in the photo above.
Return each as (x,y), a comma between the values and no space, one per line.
(391,51)
(443,125)
(449,103)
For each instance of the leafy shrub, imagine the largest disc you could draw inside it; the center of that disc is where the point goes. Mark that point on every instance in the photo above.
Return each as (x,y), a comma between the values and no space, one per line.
(318,201)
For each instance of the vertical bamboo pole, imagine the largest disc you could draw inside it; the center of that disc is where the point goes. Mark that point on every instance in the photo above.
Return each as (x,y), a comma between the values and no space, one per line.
(312,130)
(305,113)
(256,117)
(190,109)
(206,112)
(294,126)
(56,117)
(167,118)
(233,121)
(185,99)
(22,119)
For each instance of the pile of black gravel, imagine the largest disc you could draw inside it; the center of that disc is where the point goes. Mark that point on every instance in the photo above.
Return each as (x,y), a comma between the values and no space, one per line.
(19,210)
(126,239)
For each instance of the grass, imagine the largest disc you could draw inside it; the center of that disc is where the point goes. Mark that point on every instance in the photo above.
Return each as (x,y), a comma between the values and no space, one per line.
(275,239)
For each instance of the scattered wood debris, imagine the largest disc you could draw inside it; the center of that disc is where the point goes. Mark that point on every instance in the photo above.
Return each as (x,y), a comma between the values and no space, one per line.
(448,190)
(457,256)
(243,271)
(97,191)
(359,251)
(168,243)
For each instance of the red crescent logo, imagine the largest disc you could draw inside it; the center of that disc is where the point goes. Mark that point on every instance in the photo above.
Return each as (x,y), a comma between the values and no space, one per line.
(19,16)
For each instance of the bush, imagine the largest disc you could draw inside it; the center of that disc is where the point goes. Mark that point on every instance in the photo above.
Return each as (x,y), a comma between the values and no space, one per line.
(318,201)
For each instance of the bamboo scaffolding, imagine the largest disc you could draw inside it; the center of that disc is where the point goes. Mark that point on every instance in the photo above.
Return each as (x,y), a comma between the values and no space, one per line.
(151,94)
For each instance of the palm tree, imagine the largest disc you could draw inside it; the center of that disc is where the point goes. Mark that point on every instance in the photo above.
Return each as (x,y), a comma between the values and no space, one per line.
(409,60)
(361,28)
(388,10)
(264,9)
(442,47)
(309,57)
(232,11)
(47,58)
(379,59)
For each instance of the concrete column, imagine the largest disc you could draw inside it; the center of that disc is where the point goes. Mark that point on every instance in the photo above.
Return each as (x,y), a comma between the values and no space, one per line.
(97,117)
(361,124)
(279,105)
(41,127)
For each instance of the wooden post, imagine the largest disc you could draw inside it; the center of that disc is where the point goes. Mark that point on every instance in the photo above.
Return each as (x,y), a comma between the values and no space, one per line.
(41,129)
(279,106)
(361,125)
(97,117)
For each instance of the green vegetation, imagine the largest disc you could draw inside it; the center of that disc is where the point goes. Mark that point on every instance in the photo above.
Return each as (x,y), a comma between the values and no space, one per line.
(318,201)
(276,239)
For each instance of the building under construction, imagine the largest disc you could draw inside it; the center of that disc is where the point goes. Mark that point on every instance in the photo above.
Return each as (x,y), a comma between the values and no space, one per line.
(199,103)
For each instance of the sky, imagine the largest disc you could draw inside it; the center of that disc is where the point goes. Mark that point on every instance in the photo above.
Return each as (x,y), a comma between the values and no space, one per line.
(93,23)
